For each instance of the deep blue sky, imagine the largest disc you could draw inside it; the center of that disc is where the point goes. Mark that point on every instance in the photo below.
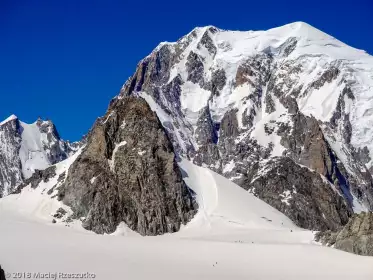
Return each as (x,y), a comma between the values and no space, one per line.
(65,59)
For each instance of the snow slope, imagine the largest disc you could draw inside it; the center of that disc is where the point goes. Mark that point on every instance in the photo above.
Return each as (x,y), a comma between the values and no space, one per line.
(36,204)
(234,236)
(224,206)
(32,151)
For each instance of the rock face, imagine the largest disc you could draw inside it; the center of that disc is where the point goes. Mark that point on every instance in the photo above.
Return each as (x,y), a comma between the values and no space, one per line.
(306,197)
(243,103)
(355,237)
(128,173)
(10,163)
(25,148)
(37,177)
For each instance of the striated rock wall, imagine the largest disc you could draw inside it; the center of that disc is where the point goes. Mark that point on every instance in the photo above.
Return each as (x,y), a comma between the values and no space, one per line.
(10,163)
(128,173)
(355,237)
(303,195)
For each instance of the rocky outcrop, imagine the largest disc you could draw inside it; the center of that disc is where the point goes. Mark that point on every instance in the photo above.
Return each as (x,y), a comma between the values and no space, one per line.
(306,144)
(205,132)
(37,177)
(60,213)
(355,237)
(326,192)
(10,163)
(128,173)
(195,69)
(303,195)
(55,148)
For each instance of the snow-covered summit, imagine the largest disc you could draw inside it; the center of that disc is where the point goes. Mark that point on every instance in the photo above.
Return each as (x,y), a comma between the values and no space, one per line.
(232,99)
(300,29)
(297,50)
(310,41)
(295,42)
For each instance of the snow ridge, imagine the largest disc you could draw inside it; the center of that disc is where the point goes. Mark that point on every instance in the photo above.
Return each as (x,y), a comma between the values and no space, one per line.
(10,118)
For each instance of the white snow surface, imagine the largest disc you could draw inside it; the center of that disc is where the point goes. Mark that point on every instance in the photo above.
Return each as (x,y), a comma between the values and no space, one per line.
(32,153)
(33,150)
(36,204)
(233,236)
(193,97)
(234,47)
(27,147)
(116,148)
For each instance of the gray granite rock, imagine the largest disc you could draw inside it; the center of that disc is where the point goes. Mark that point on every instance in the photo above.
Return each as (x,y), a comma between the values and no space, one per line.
(10,163)
(355,237)
(303,195)
(128,173)
(60,213)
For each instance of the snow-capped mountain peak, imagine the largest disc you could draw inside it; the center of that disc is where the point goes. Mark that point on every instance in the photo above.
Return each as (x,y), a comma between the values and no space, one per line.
(25,148)
(213,49)
(231,99)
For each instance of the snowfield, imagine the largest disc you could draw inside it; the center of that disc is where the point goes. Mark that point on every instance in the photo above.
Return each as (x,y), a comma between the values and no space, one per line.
(233,236)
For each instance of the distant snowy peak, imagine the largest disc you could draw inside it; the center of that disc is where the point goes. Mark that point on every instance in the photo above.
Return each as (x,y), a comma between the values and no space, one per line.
(25,148)
(40,146)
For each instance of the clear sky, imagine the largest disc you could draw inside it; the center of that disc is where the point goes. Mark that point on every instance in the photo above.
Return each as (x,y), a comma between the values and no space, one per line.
(65,59)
